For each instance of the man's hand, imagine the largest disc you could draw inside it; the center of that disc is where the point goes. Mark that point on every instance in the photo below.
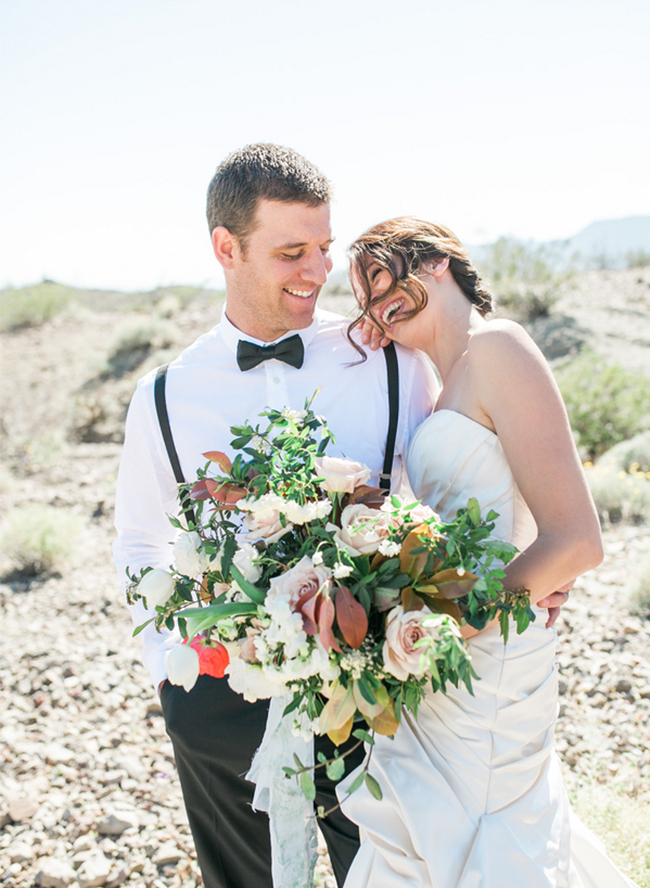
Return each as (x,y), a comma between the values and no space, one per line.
(160,686)
(554,602)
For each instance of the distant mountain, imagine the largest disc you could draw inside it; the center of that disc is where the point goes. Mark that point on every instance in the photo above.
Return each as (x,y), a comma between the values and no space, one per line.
(609,242)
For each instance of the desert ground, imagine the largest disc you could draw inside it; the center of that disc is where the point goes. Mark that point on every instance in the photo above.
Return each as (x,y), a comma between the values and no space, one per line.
(88,790)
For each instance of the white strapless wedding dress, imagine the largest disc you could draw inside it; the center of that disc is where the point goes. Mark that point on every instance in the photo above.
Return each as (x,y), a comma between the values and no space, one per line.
(473,794)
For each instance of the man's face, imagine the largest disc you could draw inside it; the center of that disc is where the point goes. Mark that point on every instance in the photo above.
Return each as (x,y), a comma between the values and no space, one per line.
(274,283)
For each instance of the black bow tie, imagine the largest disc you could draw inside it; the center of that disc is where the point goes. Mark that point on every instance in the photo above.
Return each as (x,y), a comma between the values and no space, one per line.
(290,350)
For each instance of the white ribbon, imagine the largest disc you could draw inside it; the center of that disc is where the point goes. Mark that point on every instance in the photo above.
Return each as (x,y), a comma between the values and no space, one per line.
(294,838)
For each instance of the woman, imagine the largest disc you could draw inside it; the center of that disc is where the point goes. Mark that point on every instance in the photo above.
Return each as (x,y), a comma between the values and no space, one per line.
(473,794)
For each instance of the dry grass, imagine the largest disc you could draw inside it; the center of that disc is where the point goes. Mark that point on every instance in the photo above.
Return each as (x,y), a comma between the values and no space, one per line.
(39,540)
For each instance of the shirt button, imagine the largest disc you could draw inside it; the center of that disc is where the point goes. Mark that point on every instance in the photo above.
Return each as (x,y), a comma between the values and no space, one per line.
(276,380)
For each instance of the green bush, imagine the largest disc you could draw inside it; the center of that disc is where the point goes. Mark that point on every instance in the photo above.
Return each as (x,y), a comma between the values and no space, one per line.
(31,306)
(606,403)
(639,588)
(135,340)
(39,539)
(629,456)
(619,495)
(524,276)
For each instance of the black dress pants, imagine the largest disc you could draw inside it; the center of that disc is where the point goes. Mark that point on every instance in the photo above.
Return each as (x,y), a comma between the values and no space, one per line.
(215,734)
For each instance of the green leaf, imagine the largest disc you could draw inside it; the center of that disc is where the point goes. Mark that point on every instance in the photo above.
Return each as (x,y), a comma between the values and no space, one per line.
(335,769)
(246,586)
(308,786)
(505,625)
(139,629)
(474,511)
(367,692)
(373,787)
(322,758)
(356,783)
(229,549)
(360,734)
(288,771)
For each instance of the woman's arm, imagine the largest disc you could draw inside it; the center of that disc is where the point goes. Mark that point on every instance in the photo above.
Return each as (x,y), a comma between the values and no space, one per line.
(516,390)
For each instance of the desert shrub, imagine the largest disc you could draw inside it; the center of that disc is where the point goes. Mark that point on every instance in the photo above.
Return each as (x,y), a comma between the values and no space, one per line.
(621,822)
(31,306)
(637,258)
(39,539)
(639,587)
(135,340)
(524,276)
(619,495)
(606,403)
(629,456)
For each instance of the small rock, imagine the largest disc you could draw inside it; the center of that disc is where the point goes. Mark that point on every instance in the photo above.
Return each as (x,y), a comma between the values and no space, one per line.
(623,686)
(116,821)
(110,777)
(84,843)
(22,809)
(54,873)
(20,852)
(167,853)
(117,876)
(94,871)
(55,754)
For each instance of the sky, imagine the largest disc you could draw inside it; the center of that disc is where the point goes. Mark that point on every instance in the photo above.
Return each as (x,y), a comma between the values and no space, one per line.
(525,118)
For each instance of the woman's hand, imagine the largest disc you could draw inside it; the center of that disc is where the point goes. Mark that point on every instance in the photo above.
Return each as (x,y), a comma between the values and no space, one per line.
(372,336)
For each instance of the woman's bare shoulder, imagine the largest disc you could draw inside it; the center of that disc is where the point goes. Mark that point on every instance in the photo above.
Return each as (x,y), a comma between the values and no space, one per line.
(501,342)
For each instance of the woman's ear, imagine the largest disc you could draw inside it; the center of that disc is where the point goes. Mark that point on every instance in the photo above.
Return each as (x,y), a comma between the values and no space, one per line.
(440,268)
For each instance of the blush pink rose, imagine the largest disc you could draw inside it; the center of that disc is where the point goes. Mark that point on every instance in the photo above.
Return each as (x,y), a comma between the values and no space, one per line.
(340,475)
(403,630)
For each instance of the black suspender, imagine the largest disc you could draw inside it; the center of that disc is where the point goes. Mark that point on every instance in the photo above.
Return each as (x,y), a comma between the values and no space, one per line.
(165,428)
(392,371)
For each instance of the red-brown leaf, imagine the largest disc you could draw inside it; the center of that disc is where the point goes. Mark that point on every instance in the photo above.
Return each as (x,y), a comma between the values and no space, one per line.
(200,491)
(306,606)
(325,623)
(351,617)
(216,456)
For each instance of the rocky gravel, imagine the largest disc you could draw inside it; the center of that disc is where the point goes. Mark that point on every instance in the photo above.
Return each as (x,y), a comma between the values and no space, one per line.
(88,789)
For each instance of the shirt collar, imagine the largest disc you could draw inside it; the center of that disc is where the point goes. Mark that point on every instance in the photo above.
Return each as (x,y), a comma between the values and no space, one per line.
(231,334)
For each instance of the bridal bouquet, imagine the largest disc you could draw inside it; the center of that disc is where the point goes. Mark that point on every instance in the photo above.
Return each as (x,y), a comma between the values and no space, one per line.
(291,576)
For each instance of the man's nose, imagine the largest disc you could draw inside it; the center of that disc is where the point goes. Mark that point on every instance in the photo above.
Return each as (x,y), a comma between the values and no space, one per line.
(316,267)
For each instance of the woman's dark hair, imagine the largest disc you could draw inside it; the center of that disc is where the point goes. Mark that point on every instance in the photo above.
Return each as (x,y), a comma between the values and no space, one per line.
(403,247)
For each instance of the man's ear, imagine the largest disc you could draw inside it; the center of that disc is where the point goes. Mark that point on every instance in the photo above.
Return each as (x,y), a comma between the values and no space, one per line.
(440,268)
(225,247)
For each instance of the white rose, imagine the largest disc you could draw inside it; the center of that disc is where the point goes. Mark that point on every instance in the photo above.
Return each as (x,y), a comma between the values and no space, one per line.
(417,515)
(244,560)
(263,518)
(252,682)
(188,557)
(403,630)
(362,529)
(183,666)
(340,475)
(156,586)
(303,578)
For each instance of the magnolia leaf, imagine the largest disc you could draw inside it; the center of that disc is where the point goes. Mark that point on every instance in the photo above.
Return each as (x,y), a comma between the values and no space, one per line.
(367,709)
(308,786)
(409,563)
(224,491)
(325,623)
(351,617)
(385,723)
(199,491)
(411,601)
(373,787)
(454,589)
(216,456)
(338,710)
(220,611)
(373,497)
(442,606)
(340,735)
(377,560)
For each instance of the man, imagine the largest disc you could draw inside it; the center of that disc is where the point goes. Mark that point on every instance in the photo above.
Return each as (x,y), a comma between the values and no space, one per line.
(268,213)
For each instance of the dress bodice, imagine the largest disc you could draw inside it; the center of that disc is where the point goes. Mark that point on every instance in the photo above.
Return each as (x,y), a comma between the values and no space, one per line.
(453,458)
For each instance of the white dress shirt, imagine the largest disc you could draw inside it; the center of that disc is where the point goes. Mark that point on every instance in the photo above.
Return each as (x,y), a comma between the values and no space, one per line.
(207,393)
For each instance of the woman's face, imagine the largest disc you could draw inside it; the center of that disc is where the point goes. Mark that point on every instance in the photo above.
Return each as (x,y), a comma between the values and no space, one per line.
(391,311)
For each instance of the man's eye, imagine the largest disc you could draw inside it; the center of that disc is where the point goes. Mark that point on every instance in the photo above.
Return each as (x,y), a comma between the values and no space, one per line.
(290,256)
(325,251)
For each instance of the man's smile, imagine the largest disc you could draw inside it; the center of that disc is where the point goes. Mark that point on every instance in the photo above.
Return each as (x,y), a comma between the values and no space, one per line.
(304,294)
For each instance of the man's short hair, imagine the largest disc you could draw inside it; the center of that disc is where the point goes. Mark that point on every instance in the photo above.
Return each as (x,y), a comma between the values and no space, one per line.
(261,172)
